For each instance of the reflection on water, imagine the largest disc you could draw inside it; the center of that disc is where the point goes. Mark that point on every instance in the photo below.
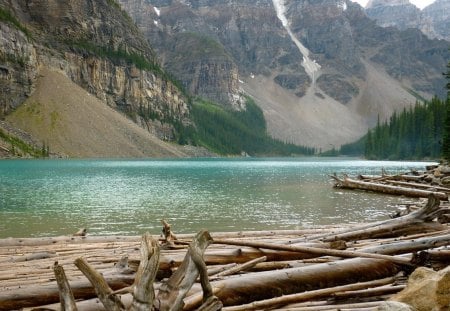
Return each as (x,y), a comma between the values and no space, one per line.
(51,197)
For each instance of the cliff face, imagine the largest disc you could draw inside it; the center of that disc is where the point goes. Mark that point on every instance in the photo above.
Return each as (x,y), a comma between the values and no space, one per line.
(433,20)
(99,48)
(18,67)
(401,14)
(436,20)
(199,61)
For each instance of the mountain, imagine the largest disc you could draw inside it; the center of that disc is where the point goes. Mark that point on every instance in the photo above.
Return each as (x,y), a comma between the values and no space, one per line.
(401,13)
(322,71)
(433,20)
(92,46)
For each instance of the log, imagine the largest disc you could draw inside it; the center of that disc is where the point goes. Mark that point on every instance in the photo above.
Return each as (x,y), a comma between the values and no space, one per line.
(111,301)
(309,295)
(242,267)
(249,287)
(325,306)
(172,292)
(314,250)
(43,294)
(419,186)
(143,291)
(65,293)
(415,222)
(348,183)
(377,291)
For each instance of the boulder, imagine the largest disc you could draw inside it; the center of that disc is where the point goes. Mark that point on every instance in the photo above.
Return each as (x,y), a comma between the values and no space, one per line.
(427,290)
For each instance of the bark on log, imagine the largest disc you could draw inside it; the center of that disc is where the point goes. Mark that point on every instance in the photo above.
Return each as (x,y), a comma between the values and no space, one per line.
(246,288)
(348,183)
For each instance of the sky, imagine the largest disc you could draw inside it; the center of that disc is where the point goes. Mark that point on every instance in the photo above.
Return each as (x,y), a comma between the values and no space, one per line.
(419,3)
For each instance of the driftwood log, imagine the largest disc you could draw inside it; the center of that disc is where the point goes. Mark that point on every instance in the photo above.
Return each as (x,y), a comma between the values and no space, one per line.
(349,183)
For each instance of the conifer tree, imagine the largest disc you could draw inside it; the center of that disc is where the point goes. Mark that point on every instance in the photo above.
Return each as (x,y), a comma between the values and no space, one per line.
(446,133)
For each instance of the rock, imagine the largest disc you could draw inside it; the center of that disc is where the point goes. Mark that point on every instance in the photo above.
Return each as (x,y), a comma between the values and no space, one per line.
(445,181)
(427,290)
(444,169)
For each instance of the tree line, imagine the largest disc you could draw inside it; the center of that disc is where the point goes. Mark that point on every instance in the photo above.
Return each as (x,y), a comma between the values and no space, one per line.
(420,132)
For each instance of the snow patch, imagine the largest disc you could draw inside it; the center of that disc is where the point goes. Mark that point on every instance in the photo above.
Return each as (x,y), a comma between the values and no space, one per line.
(311,66)
(155,22)
(157,11)
(342,5)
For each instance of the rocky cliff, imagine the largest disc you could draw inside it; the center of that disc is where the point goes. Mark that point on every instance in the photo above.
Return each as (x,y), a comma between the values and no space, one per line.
(400,13)
(433,20)
(98,47)
(321,70)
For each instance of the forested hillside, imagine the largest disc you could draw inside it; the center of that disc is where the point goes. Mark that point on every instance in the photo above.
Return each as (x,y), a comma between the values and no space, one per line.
(414,133)
(228,131)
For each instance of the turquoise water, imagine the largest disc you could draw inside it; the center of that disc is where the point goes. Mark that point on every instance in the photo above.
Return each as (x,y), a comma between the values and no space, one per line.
(54,197)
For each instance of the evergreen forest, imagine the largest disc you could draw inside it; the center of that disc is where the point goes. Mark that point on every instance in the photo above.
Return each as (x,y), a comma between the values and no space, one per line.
(415,133)
(226,131)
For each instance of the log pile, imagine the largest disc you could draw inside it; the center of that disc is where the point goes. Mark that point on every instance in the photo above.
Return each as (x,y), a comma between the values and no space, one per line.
(352,267)
(435,180)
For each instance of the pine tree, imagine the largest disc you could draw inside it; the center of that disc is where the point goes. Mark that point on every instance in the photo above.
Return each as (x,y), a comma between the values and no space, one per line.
(446,132)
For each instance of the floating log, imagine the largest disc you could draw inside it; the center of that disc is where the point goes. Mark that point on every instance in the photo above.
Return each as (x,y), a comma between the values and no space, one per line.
(348,183)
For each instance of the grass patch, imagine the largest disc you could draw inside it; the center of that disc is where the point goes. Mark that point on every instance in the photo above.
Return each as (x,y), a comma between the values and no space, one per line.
(19,147)
(7,17)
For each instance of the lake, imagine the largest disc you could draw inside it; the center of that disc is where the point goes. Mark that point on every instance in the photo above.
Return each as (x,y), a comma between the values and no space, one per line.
(130,197)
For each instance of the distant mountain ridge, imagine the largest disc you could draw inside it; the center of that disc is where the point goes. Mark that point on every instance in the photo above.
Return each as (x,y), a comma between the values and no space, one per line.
(365,70)
(433,20)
